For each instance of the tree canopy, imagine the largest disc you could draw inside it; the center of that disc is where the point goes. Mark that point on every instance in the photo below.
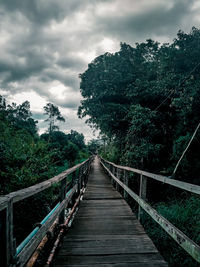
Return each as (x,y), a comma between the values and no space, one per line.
(54,115)
(147,100)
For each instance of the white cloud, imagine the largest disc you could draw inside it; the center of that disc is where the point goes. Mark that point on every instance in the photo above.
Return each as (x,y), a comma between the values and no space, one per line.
(37,102)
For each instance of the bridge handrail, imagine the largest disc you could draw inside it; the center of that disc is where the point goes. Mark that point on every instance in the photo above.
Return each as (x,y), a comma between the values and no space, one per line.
(34,189)
(8,252)
(195,189)
(184,241)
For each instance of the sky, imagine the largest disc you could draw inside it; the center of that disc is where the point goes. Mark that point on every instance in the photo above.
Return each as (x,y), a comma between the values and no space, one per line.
(46,44)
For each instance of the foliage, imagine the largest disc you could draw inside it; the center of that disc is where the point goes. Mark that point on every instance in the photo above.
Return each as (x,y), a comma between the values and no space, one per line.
(54,115)
(24,158)
(77,139)
(27,159)
(145,99)
(184,214)
(93,146)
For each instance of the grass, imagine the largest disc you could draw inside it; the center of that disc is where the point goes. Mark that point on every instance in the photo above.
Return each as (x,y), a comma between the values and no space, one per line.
(185,215)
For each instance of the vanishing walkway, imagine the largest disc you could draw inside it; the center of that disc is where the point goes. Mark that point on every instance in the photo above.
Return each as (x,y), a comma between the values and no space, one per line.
(105,232)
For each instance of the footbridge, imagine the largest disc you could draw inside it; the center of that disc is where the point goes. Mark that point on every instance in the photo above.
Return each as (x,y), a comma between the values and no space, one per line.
(92,224)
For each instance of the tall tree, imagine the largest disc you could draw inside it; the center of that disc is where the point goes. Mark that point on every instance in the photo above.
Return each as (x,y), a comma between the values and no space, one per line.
(54,115)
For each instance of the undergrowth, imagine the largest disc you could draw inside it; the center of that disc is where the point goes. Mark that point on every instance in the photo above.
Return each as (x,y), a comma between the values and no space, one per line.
(184,214)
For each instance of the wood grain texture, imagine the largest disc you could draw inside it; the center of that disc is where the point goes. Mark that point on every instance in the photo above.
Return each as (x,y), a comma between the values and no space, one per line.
(105,232)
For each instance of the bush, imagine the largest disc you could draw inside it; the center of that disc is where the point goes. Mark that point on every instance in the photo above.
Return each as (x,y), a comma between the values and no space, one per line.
(184,214)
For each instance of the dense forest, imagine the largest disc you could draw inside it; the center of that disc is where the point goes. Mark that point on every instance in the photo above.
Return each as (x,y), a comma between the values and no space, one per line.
(27,158)
(145,100)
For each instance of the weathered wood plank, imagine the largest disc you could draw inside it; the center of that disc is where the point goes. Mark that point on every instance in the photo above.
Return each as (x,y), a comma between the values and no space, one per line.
(132,264)
(110,259)
(136,242)
(90,237)
(107,250)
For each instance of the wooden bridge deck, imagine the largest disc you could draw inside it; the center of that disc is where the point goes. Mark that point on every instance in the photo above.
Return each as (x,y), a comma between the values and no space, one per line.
(105,232)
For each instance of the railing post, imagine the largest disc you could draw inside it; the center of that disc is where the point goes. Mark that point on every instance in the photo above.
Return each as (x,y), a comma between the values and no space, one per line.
(112,171)
(118,176)
(63,186)
(7,244)
(142,193)
(73,182)
(85,170)
(85,173)
(126,183)
(80,179)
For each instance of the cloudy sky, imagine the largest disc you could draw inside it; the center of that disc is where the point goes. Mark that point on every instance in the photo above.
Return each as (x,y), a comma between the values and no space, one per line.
(45,44)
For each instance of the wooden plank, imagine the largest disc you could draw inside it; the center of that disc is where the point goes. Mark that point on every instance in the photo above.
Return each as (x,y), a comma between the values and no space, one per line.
(132,264)
(103,202)
(185,242)
(195,189)
(111,246)
(107,250)
(137,242)
(89,237)
(110,259)
(111,231)
(102,213)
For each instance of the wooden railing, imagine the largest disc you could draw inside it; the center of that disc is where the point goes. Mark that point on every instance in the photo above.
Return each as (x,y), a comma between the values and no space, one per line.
(9,254)
(119,177)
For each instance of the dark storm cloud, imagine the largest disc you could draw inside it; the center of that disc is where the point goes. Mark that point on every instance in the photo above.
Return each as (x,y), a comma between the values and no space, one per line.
(72,62)
(31,62)
(160,21)
(41,11)
(47,43)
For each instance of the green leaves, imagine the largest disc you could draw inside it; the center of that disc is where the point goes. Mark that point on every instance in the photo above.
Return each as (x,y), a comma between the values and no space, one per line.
(145,97)
(54,115)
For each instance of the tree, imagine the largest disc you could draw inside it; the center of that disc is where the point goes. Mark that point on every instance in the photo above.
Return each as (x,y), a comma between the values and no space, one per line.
(146,100)
(77,139)
(93,146)
(54,115)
